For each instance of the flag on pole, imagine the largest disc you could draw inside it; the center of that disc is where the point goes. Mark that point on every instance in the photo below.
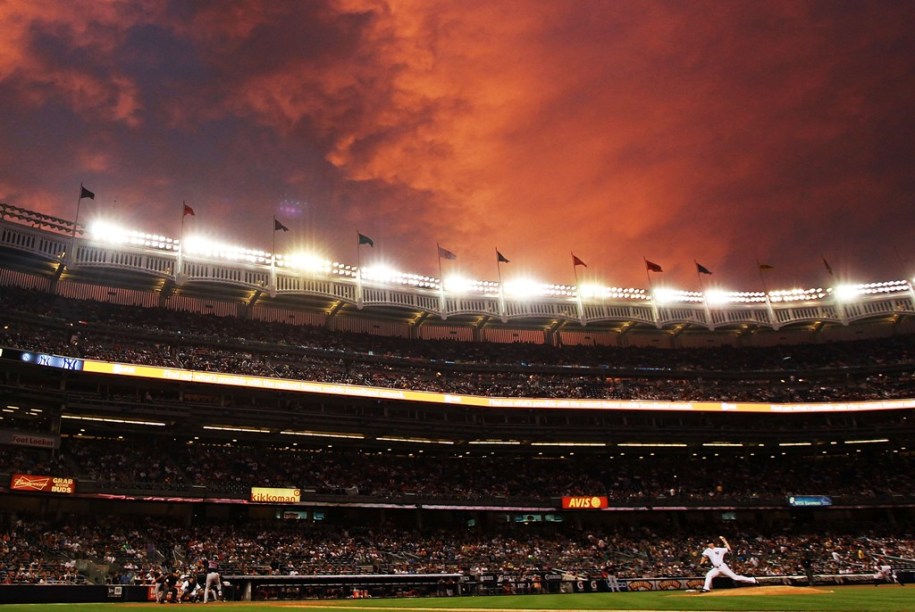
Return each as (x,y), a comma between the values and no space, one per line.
(85,193)
(500,258)
(365,240)
(652,266)
(445,253)
(828,267)
(277,226)
(577,262)
(702,269)
(763,267)
(188,210)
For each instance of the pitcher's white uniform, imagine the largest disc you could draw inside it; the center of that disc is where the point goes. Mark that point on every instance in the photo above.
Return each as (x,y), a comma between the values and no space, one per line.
(715,555)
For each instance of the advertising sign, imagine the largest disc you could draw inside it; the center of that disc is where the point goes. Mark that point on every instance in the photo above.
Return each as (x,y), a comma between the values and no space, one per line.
(270,495)
(44,484)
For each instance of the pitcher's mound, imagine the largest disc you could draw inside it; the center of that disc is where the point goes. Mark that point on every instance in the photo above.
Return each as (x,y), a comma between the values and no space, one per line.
(775,589)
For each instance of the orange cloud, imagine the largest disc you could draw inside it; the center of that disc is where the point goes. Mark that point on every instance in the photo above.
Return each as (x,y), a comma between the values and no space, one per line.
(722,132)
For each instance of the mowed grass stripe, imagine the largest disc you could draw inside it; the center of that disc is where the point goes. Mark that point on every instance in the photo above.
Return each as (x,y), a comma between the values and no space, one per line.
(829,599)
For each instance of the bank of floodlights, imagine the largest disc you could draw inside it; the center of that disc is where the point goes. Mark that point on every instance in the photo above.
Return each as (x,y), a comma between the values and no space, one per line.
(883,287)
(666,295)
(799,295)
(106,232)
(202,246)
(111,233)
(385,274)
(304,262)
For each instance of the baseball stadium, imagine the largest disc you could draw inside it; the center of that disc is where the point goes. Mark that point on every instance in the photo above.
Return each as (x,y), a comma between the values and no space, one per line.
(187,421)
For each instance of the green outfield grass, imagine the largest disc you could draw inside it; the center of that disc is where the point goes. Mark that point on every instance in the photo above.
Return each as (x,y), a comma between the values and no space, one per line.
(853,598)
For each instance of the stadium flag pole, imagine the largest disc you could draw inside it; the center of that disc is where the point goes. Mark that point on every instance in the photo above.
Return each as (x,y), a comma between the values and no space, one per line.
(654,303)
(905,271)
(83,193)
(581,307)
(358,271)
(499,259)
(276,226)
(179,260)
(441,282)
(760,268)
(700,270)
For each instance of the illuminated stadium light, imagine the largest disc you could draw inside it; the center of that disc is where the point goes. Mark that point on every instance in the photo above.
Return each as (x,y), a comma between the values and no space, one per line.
(663,295)
(594,291)
(343,270)
(846,293)
(524,288)
(204,247)
(322,434)
(795,443)
(102,231)
(722,444)
(667,295)
(458,284)
(414,440)
(496,442)
(882,287)
(306,262)
(568,444)
(591,290)
(715,297)
(565,291)
(234,428)
(74,417)
(873,441)
(382,273)
(799,295)
(653,444)
(107,232)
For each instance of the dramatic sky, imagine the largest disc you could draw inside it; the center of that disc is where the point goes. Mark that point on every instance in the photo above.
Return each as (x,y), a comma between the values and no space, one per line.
(725,132)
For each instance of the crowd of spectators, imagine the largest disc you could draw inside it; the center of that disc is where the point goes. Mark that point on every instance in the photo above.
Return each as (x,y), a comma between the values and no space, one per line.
(219,469)
(859,370)
(41,552)
(36,552)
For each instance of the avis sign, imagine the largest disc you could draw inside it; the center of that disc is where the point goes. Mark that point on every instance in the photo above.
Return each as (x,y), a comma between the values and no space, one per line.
(584,502)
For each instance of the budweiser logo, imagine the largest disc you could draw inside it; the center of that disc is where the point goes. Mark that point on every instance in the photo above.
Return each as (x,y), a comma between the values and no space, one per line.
(24,482)
(46,484)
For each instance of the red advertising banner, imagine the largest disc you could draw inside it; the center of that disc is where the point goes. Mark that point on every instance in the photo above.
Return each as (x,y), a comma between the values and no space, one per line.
(44,484)
(584,502)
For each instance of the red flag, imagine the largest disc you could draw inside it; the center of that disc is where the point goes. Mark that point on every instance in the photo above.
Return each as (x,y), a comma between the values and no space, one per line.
(652,266)
(577,262)
(188,211)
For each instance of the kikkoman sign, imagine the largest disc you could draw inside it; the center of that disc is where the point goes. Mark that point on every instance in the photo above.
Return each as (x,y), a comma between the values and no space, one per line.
(584,502)
(269,495)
